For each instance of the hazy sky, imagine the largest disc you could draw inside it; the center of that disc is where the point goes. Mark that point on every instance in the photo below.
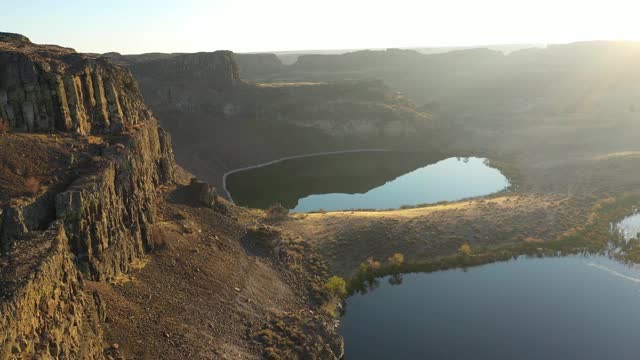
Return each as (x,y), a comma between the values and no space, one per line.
(136,26)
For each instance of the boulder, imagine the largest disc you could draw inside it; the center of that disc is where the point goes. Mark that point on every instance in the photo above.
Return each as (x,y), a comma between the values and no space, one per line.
(203,193)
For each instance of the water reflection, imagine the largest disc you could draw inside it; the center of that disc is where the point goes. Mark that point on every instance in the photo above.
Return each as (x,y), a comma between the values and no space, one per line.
(528,308)
(365,181)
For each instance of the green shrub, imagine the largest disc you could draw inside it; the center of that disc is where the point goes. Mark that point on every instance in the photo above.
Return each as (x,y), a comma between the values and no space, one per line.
(373,265)
(396,260)
(336,286)
(465,249)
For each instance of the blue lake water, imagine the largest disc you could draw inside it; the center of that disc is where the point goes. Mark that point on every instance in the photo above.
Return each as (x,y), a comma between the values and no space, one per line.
(446,180)
(382,180)
(550,308)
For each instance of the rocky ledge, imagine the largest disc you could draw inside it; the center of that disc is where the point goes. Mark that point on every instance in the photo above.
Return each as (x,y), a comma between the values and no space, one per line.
(47,88)
(95,226)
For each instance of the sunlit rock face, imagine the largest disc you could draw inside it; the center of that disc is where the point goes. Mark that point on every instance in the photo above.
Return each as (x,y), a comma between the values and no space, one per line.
(183,82)
(50,88)
(97,222)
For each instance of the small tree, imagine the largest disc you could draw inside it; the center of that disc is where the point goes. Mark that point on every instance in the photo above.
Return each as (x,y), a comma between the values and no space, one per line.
(372,264)
(465,249)
(396,259)
(336,287)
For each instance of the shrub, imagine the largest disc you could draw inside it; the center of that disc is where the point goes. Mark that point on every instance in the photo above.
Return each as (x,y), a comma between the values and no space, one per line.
(372,264)
(336,286)
(396,259)
(32,185)
(465,249)
(277,212)
(363,268)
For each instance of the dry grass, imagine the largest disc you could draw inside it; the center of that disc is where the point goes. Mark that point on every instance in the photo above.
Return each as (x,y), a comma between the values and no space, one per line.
(96,140)
(347,238)
(288,84)
(621,154)
(277,212)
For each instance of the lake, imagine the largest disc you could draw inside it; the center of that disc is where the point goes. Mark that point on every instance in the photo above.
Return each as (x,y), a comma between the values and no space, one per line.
(534,308)
(374,180)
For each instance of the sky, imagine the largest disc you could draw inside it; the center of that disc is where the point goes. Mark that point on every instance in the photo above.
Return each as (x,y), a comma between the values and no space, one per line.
(138,26)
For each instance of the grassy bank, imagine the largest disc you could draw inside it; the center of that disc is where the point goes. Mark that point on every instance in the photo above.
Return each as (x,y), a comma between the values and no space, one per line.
(591,237)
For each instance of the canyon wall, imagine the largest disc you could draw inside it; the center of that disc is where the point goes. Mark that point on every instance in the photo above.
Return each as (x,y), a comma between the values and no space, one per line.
(44,311)
(235,123)
(49,88)
(65,245)
(106,213)
(251,66)
(95,226)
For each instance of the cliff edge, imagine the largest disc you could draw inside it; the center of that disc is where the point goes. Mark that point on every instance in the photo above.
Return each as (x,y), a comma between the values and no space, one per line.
(74,208)
(50,88)
(109,250)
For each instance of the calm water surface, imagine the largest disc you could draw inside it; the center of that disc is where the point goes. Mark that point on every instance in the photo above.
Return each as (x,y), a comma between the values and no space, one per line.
(365,181)
(551,308)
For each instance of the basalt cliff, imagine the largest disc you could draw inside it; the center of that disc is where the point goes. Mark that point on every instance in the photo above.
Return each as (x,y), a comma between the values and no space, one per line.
(48,88)
(89,223)
(109,249)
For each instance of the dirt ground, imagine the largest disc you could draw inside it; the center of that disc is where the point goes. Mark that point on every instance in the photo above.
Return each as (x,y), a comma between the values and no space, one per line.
(32,163)
(206,290)
(202,295)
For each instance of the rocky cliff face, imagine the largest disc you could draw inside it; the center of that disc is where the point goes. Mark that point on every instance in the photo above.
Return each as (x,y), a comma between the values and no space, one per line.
(357,60)
(48,88)
(66,243)
(368,113)
(44,311)
(252,66)
(94,227)
(106,214)
(234,123)
(182,80)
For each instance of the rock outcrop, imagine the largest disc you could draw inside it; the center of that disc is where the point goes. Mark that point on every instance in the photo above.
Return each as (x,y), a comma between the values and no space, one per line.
(94,227)
(203,193)
(204,71)
(107,213)
(253,66)
(44,311)
(49,88)
(21,216)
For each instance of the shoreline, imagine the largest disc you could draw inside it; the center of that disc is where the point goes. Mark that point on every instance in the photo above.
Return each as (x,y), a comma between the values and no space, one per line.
(279,160)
